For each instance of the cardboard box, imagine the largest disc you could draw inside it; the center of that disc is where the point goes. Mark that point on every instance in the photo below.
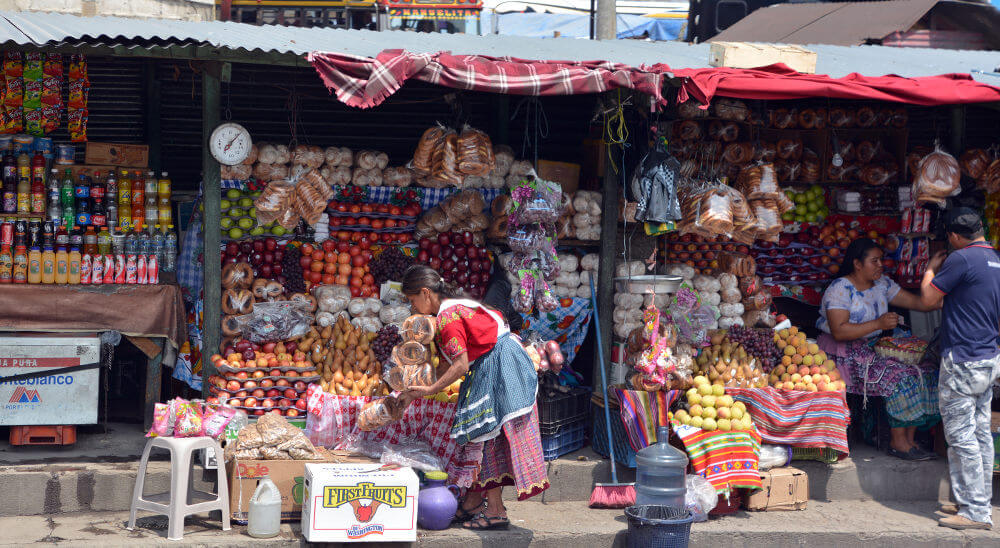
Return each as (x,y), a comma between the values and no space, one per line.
(359,503)
(745,55)
(287,475)
(785,488)
(86,169)
(564,173)
(117,154)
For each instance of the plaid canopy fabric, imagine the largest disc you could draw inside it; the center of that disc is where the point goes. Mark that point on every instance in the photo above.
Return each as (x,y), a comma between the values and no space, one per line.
(365,82)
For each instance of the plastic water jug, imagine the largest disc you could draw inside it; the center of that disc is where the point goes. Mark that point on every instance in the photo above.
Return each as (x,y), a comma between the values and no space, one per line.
(660,473)
(265,510)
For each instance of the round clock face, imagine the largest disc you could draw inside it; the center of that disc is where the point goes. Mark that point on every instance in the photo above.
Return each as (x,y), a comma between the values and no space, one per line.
(230,144)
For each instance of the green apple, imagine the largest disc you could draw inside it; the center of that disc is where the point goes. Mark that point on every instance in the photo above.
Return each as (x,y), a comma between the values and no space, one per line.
(246,223)
(225,204)
(278,230)
(226,223)
(235,233)
(233,194)
(246,202)
(257,231)
(236,212)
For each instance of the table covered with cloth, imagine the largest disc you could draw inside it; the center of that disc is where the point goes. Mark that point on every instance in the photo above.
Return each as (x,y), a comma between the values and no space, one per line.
(797,418)
(728,460)
(155,311)
(331,421)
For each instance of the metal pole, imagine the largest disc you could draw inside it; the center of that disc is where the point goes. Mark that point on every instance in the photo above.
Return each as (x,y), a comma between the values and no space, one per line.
(211,231)
(593,14)
(606,15)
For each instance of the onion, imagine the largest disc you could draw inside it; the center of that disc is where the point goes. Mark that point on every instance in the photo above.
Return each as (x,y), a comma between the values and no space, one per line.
(552,348)
(557,359)
(543,364)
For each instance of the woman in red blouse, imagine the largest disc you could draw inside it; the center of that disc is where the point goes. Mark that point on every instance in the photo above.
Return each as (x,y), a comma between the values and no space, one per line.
(496,403)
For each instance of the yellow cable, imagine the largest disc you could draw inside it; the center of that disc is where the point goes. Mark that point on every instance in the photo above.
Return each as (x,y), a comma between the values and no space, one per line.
(615,129)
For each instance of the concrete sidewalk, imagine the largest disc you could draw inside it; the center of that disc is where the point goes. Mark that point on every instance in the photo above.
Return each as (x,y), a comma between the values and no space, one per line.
(563,525)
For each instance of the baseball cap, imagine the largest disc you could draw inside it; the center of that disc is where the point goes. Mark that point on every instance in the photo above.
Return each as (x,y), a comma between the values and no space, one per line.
(963,220)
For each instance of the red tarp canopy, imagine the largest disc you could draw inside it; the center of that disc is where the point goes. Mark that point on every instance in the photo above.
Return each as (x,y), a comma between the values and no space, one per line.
(780,82)
(364,82)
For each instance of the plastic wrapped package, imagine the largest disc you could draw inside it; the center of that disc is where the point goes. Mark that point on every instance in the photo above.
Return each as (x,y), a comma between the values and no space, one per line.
(394,314)
(705,283)
(783,118)
(422,374)
(938,176)
(366,323)
(332,298)
(974,162)
(475,153)
(712,298)
(631,268)
(590,261)
(419,328)
(338,156)
(336,176)
(731,295)
(504,158)
(273,321)
(307,155)
(412,453)
(728,281)
(731,310)
(716,215)
(760,300)
(376,414)
(700,497)
(409,353)
(774,456)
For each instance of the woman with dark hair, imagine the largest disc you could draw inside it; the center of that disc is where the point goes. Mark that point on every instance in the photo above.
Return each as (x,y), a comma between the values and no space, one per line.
(496,402)
(853,313)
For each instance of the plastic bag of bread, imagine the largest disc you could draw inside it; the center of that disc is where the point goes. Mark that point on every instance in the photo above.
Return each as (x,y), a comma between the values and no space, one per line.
(338,156)
(270,172)
(444,163)
(738,153)
(938,176)
(409,353)
(691,109)
(688,130)
(371,159)
(811,119)
(475,152)
(366,177)
(731,109)
(866,151)
(239,172)
(273,200)
(716,212)
(783,118)
(738,264)
(307,155)
(521,168)
(336,176)
(768,215)
(750,285)
(764,152)
(397,176)
(378,413)
(874,175)
(251,158)
(789,149)
(974,162)
(423,157)
(503,157)
(419,328)
(840,117)
(723,131)
(760,300)
(267,153)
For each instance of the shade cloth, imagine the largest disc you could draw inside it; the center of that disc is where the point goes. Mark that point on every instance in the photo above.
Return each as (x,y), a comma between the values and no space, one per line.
(136,310)
(797,418)
(365,82)
(778,81)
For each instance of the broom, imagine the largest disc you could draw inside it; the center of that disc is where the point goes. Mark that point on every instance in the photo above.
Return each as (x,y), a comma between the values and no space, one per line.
(614,494)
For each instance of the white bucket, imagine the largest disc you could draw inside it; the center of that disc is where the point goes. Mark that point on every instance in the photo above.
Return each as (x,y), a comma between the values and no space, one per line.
(265,510)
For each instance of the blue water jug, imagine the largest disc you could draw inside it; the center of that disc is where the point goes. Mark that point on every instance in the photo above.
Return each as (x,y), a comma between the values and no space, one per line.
(660,473)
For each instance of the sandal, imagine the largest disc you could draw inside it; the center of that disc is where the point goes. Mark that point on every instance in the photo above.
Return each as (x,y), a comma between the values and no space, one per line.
(482,522)
(464,515)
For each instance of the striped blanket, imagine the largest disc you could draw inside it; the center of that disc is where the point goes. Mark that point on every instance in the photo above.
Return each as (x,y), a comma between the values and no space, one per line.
(728,460)
(642,412)
(796,418)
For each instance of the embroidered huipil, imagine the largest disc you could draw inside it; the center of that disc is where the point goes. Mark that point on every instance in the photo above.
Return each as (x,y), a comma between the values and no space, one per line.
(462,328)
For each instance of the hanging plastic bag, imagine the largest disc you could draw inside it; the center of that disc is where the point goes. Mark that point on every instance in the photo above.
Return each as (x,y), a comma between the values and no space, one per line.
(700,497)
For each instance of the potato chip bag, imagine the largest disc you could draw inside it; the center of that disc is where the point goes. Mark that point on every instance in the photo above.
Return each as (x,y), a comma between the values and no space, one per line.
(33,66)
(32,95)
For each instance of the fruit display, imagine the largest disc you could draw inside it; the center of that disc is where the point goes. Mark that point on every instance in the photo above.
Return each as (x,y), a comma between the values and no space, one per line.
(388,265)
(459,260)
(265,255)
(261,378)
(727,363)
(385,340)
(803,365)
(351,216)
(339,263)
(239,216)
(759,343)
(711,409)
(344,359)
(699,251)
(810,205)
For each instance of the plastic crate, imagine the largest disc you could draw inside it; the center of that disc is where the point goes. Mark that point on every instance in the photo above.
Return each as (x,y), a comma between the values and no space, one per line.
(624,453)
(571,438)
(562,406)
(42,435)
(557,427)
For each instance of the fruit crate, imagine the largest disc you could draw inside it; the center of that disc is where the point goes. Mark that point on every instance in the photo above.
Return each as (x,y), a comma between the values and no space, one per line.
(559,406)
(571,438)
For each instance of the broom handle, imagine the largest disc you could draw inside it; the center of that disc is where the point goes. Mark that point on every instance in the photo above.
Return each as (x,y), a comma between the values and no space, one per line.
(604,380)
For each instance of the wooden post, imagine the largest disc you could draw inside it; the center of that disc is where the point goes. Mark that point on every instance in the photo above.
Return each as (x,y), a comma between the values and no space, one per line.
(211,231)
(606,268)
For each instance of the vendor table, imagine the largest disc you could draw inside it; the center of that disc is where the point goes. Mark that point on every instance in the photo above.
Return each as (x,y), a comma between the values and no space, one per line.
(151,316)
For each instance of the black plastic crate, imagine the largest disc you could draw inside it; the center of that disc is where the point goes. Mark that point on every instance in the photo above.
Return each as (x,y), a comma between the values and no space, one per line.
(559,406)
(557,427)
(571,438)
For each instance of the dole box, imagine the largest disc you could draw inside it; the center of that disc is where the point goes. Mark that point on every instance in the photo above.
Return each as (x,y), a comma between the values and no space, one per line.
(359,503)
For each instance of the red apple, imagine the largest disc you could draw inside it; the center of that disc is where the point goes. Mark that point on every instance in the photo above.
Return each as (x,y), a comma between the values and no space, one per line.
(233,386)
(235,402)
(241,394)
(285,402)
(290,393)
(268,402)
(291,413)
(250,385)
(300,386)
(301,404)
(282,382)
(250,402)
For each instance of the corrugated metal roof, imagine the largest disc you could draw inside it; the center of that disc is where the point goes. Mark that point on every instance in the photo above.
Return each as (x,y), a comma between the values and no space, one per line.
(46,29)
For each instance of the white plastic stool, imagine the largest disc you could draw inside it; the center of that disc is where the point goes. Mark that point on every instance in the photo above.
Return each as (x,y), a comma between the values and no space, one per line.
(182,500)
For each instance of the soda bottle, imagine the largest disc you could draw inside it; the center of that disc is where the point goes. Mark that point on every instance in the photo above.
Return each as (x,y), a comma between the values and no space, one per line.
(62,265)
(82,194)
(67,198)
(24,166)
(124,190)
(152,270)
(7,233)
(130,270)
(104,241)
(9,183)
(6,265)
(54,212)
(97,199)
(170,250)
(34,266)
(20,233)
(38,167)
(75,264)
(48,265)
(111,198)
(157,244)
(20,273)
(163,187)
(48,233)
(89,269)
(23,195)
(76,237)
(90,241)
(38,196)
(140,269)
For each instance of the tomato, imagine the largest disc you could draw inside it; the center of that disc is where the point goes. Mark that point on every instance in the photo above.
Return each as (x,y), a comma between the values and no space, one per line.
(356,282)
(369,279)
(307,249)
(368,240)
(355,209)
(316,266)
(367,208)
(329,246)
(343,235)
(357,272)
(305,261)
(314,277)
(378,223)
(404,238)
(344,258)
(343,246)
(341,207)
(344,269)
(328,279)
(330,268)
(395,210)
(390,223)
(382,208)
(356,237)
(341,280)
(365,221)
(350,221)
(336,221)
(354,251)
(357,260)
(355,291)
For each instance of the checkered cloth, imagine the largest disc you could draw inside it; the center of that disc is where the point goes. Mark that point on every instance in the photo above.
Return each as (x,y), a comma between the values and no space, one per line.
(431,196)
(567,325)
(332,420)
(365,82)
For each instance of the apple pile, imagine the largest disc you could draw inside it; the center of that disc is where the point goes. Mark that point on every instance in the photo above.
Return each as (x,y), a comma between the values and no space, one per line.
(273,378)
(339,263)
(810,255)
(699,252)
(710,409)
(459,260)
(803,365)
